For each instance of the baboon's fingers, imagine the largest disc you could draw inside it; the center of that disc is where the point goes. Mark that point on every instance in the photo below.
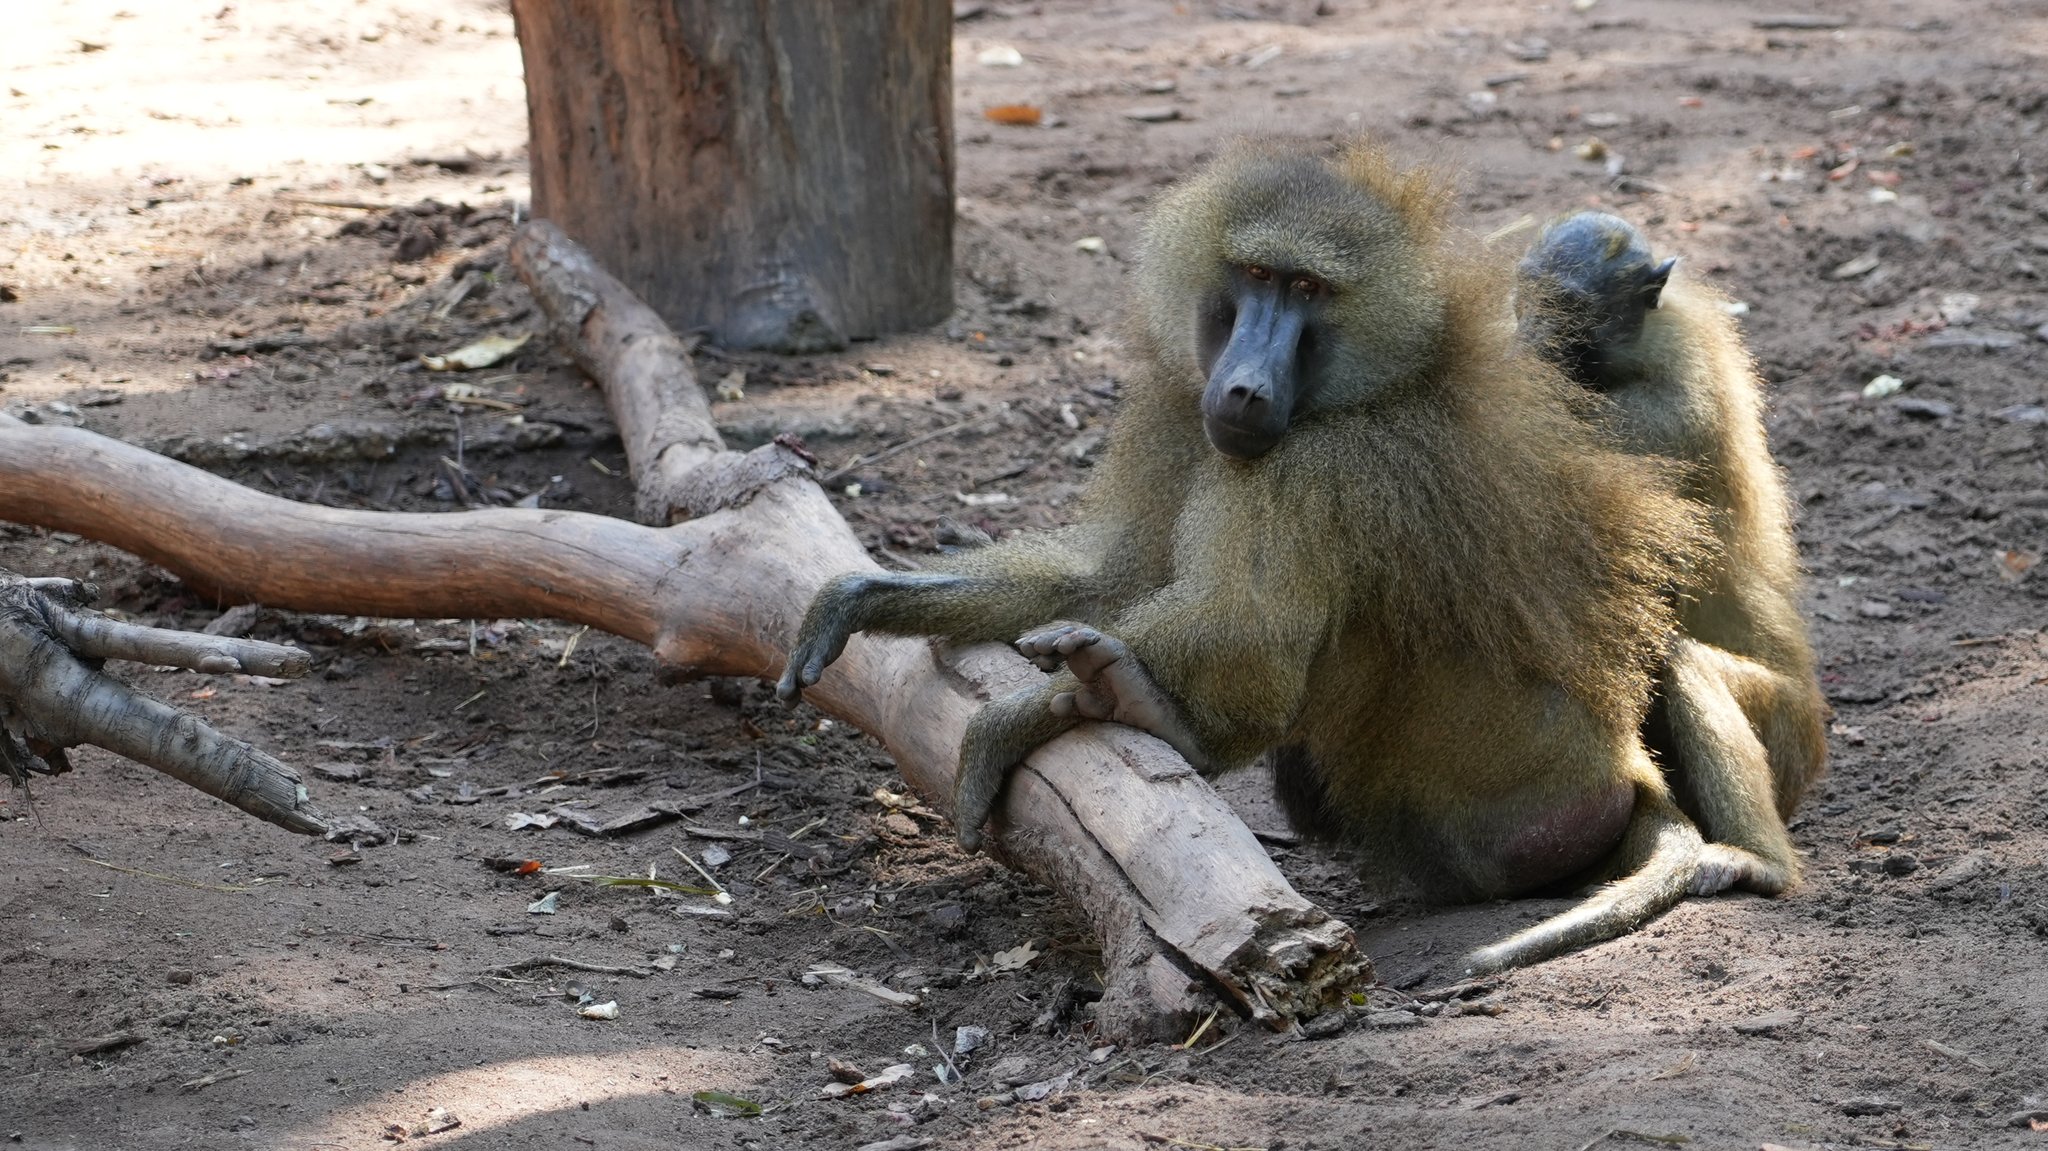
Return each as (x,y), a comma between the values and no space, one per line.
(1042,647)
(1077,639)
(1092,703)
(786,688)
(806,664)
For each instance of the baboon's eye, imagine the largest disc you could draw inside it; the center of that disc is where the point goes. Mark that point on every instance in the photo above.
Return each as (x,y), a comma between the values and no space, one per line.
(1304,286)
(1259,272)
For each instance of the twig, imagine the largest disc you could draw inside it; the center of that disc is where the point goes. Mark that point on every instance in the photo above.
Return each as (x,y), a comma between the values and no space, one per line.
(1978,640)
(540,962)
(1960,1056)
(323,202)
(944,1053)
(895,449)
(1188,1044)
(723,895)
(230,888)
(210,1080)
(569,649)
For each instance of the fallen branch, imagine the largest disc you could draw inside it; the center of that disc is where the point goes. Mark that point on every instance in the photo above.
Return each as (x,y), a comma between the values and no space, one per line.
(543,962)
(1185,902)
(54,695)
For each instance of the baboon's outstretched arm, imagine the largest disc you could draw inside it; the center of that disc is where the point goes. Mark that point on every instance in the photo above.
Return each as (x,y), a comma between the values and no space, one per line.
(987,594)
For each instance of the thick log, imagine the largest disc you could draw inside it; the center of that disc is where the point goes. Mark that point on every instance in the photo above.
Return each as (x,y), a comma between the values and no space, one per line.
(780,175)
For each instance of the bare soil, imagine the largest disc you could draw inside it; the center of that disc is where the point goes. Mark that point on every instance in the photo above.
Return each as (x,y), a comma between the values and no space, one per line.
(214,244)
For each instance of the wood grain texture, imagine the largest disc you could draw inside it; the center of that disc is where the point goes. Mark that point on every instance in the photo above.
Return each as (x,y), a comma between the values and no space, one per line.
(779,175)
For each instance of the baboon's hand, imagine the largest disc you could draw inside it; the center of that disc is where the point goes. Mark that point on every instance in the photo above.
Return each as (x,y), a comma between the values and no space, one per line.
(827,626)
(1110,684)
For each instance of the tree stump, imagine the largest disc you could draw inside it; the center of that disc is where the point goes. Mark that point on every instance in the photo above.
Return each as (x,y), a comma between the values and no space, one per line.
(779,175)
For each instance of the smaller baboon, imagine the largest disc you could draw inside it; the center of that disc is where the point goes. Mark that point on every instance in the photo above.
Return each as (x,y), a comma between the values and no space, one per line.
(1738,722)
(1344,514)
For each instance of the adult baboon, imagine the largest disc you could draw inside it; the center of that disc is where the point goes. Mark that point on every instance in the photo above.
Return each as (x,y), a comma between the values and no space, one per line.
(1343,512)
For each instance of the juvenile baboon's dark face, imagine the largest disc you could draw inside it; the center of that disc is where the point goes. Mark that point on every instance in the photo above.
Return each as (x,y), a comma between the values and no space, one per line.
(1587,285)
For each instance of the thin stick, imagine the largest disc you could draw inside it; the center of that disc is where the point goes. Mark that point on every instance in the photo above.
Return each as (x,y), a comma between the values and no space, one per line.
(836,474)
(539,962)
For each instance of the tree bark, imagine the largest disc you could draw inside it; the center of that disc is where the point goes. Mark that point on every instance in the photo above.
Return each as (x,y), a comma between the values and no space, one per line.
(779,174)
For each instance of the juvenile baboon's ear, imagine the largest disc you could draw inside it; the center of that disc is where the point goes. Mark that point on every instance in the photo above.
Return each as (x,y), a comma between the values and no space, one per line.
(1654,280)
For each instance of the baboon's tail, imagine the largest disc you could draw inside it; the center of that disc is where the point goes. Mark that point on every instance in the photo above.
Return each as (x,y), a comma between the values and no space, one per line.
(1660,855)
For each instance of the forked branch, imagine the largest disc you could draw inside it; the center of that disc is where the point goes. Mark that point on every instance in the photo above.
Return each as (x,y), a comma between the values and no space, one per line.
(1185,901)
(55,695)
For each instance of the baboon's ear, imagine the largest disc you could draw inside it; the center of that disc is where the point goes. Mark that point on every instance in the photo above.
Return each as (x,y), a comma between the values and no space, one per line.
(1654,280)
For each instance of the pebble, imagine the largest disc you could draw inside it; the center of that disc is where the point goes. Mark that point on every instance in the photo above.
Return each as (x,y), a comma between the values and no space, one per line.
(1870,1105)
(1326,1026)
(1153,114)
(1901,863)
(1924,409)
(1769,1022)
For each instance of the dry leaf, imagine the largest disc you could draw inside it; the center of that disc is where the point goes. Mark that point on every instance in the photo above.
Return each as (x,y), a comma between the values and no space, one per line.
(481,354)
(1023,114)
(889,1077)
(2014,564)
(1015,959)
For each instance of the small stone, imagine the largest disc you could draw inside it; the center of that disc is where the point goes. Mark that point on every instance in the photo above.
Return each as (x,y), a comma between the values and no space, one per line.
(1961,871)
(178,975)
(1392,1019)
(1901,863)
(1769,1023)
(1874,609)
(1153,114)
(1325,1026)
(1870,1105)
(1924,409)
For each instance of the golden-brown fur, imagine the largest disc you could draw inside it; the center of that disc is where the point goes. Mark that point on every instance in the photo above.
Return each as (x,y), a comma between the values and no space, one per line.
(1740,720)
(1442,590)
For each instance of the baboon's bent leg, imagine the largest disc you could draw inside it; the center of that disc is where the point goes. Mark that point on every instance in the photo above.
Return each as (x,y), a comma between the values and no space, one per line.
(1721,772)
(998,738)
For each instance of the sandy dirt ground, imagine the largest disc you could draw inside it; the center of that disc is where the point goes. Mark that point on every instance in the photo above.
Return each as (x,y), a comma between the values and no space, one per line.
(227,233)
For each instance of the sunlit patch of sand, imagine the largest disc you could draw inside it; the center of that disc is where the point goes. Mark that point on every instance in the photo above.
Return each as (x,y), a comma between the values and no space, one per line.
(497,1095)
